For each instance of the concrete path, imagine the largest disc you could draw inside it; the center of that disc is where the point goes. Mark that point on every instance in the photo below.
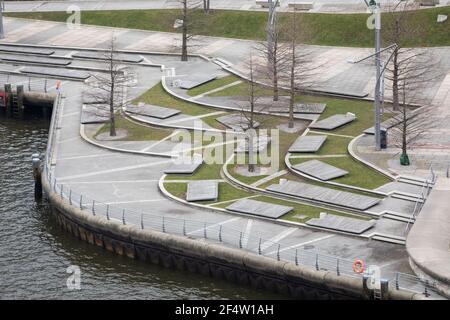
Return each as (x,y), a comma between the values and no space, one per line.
(341,6)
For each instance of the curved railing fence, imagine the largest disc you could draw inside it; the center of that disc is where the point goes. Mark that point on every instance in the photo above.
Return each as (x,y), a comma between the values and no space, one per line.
(217,233)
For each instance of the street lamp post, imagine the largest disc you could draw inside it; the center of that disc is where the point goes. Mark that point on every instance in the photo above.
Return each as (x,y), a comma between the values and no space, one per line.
(376,10)
(270,28)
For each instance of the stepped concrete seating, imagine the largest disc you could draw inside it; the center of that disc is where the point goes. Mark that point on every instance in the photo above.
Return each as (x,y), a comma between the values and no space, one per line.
(185,165)
(333,122)
(36,60)
(234,121)
(193,80)
(152,111)
(259,208)
(104,56)
(94,113)
(260,144)
(312,108)
(202,190)
(319,170)
(326,195)
(56,72)
(351,225)
(18,49)
(307,144)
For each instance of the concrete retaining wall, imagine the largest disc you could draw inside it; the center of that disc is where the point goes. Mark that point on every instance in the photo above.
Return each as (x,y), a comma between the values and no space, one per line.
(183,253)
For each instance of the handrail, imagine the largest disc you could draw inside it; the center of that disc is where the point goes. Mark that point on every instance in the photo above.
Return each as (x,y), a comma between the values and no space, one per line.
(201,229)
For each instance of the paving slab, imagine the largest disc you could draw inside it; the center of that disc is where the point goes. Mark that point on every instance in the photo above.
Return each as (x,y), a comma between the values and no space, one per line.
(56,72)
(308,144)
(152,111)
(326,195)
(94,114)
(202,190)
(184,165)
(194,80)
(320,170)
(37,60)
(237,122)
(101,56)
(261,144)
(313,108)
(333,122)
(351,225)
(259,208)
(38,51)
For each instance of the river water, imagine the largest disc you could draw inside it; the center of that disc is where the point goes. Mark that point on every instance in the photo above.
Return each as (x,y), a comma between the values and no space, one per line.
(35,253)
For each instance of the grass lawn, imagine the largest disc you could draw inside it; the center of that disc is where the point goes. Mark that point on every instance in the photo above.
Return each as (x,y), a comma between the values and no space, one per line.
(329,29)
(359,175)
(158,96)
(204,172)
(212,85)
(226,192)
(135,131)
(333,145)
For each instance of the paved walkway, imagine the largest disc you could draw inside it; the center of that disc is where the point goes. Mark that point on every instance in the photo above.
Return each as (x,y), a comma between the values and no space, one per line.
(341,6)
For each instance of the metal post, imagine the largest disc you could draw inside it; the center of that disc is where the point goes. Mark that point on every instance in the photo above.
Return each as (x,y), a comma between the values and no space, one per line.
(259,247)
(142,221)
(377,116)
(70,196)
(338,272)
(107,211)
(397,286)
(220,233)
(163,225)
(81,202)
(240,240)
(278,252)
(93,207)
(2,30)
(123,216)
(61,191)
(204,231)
(184,227)
(317,261)
(296,257)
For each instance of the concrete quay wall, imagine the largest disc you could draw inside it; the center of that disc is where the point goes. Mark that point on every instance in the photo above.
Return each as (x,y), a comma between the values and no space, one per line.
(217,261)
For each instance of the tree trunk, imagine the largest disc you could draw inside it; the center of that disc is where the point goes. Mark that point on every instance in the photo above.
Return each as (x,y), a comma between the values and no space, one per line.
(292,89)
(395,99)
(184,55)
(251,151)
(112,118)
(275,72)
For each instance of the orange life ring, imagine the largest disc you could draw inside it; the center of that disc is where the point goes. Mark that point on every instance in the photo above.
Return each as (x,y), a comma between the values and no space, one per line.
(358,266)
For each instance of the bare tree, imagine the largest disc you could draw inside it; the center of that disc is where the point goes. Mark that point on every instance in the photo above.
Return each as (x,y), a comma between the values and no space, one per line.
(108,89)
(410,124)
(275,55)
(401,28)
(298,65)
(189,23)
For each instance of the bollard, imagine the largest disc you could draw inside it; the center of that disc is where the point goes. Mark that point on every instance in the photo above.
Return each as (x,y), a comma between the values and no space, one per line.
(259,247)
(81,202)
(123,217)
(338,272)
(93,207)
(240,240)
(107,211)
(37,175)
(278,252)
(397,285)
(61,191)
(204,231)
(184,227)
(317,262)
(70,196)
(220,233)
(142,221)
(296,257)
(163,225)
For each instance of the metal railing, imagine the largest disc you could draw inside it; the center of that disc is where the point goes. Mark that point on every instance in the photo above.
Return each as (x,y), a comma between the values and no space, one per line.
(213,232)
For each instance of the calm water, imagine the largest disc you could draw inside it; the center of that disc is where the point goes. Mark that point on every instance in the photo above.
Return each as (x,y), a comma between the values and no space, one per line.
(34,253)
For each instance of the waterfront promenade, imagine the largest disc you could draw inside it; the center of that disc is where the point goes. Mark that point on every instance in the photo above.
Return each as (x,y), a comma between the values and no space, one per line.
(130,180)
